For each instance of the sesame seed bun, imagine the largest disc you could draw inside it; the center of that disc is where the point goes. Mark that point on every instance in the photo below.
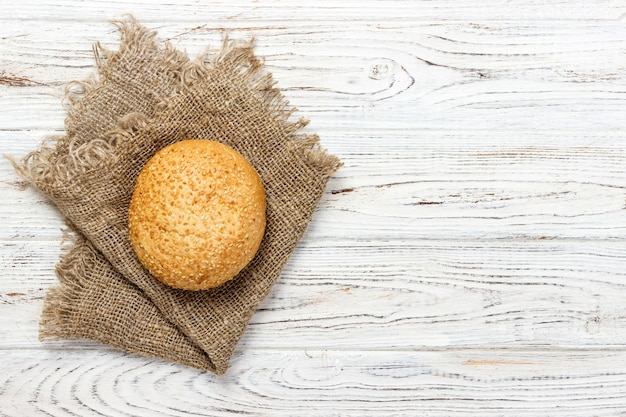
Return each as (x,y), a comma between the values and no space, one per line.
(197,214)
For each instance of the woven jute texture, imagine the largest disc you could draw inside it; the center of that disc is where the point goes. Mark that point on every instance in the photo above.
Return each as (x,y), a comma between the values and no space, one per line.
(147,95)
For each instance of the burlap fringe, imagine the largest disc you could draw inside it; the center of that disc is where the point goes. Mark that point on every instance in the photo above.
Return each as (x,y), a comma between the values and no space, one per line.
(56,317)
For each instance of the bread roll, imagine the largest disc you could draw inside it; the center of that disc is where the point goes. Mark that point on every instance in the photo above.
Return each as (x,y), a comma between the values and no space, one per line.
(197,214)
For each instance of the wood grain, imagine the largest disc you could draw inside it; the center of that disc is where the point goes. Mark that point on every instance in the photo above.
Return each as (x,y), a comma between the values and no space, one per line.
(317,383)
(224,11)
(439,76)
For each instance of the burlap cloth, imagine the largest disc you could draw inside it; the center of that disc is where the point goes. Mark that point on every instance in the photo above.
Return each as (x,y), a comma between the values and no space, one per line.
(145,96)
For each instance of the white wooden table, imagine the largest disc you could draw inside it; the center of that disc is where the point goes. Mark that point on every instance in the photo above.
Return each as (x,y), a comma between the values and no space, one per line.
(468,259)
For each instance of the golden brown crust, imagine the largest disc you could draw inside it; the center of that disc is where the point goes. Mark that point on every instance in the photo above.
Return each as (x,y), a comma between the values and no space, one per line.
(197,214)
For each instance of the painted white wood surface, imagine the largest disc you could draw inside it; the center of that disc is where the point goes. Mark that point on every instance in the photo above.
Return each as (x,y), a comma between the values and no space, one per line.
(468,259)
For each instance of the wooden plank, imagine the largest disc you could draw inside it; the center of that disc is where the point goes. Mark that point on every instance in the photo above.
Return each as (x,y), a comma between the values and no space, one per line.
(451,75)
(397,295)
(495,186)
(317,383)
(289,10)
(426,185)
(447,294)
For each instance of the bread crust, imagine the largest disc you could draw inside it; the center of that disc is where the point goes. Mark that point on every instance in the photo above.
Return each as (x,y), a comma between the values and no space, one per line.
(197,214)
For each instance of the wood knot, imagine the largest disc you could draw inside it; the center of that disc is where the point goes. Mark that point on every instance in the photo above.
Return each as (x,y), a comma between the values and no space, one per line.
(380,71)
